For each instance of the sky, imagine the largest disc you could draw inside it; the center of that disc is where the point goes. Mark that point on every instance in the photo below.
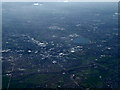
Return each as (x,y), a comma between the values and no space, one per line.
(60,0)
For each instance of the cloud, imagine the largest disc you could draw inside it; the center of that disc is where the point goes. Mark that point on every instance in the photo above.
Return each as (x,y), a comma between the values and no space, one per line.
(60,0)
